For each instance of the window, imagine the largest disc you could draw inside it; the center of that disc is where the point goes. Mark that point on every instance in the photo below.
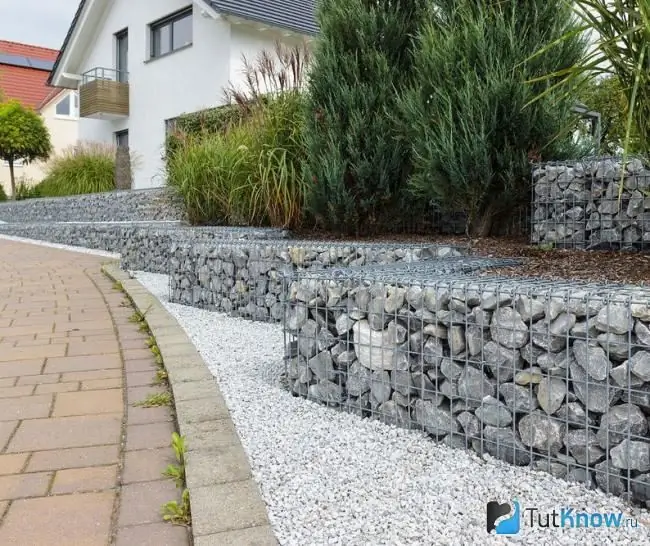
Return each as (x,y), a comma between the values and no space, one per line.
(122,139)
(171,33)
(68,106)
(122,55)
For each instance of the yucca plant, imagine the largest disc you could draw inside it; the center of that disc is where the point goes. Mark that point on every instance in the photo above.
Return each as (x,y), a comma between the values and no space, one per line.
(620,34)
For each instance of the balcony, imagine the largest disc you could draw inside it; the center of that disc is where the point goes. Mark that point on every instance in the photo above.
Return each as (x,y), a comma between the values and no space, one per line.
(104,94)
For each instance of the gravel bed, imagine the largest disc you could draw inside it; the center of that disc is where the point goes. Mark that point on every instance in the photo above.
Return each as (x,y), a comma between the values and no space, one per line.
(79,249)
(330,478)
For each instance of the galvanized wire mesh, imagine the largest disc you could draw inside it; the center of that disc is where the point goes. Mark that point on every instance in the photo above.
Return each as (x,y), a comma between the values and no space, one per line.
(245,278)
(594,203)
(555,376)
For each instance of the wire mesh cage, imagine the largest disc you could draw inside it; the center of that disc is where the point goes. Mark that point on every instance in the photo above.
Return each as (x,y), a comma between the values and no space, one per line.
(244,279)
(595,203)
(555,376)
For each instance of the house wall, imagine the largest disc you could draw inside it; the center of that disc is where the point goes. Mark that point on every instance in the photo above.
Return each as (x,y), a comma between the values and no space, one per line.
(64,132)
(184,81)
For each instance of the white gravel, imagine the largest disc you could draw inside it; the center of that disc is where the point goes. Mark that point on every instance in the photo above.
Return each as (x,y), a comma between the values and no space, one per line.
(79,249)
(330,478)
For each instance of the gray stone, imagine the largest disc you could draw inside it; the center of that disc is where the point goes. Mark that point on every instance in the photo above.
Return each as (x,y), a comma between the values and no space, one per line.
(377,350)
(623,377)
(530,309)
(435,330)
(616,319)
(552,362)
(377,317)
(530,375)
(583,445)
(640,365)
(435,420)
(450,369)
(402,382)
(597,396)
(491,300)
(296,318)
(530,353)
(358,379)
(542,337)
(503,444)
(519,399)
(620,422)
(436,299)
(550,394)
(470,424)
(474,339)
(592,359)
(608,478)
(307,342)
(616,346)
(456,339)
(433,351)
(541,432)
(582,476)
(502,362)
(631,455)
(473,385)
(424,388)
(585,328)
(326,391)
(640,396)
(508,329)
(584,304)
(344,324)
(493,412)
(558,470)
(392,413)
(641,311)
(394,300)
(380,386)
(415,297)
(640,487)
(642,333)
(575,415)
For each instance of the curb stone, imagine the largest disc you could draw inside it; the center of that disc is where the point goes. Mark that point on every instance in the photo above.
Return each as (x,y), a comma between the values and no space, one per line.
(227,508)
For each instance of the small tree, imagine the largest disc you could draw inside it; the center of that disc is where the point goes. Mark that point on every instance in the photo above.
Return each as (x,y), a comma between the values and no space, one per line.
(23,135)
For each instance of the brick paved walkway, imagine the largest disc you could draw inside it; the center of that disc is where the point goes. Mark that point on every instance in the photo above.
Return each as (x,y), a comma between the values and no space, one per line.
(79,465)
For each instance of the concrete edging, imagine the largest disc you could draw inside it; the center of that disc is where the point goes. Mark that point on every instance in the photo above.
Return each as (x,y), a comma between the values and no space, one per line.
(227,508)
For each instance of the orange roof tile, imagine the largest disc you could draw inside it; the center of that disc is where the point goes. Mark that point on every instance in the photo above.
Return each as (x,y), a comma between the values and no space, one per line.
(27,85)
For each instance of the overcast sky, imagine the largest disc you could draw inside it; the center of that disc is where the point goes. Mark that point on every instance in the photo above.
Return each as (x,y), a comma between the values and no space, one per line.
(37,22)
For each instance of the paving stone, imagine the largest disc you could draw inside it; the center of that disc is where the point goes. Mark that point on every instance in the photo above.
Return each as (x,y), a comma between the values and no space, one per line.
(148,436)
(12,464)
(14,392)
(78,457)
(153,534)
(93,348)
(147,464)
(31,353)
(18,486)
(140,502)
(88,403)
(83,519)
(140,365)
(140,379)
(92,375)
(25,407)
(210,435)
(66,432)
(82,363)
(21,367)
(143,416)
(57,388)
(83,480)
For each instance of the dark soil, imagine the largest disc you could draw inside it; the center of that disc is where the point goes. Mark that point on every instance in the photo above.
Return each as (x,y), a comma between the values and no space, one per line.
(597,266)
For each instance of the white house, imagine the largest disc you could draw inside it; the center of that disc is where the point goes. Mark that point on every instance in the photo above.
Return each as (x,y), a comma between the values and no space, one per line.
(138,64)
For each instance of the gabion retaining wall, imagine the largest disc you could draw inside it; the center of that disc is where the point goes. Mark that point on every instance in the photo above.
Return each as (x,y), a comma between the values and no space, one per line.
(551,375)
(143,246)
(116,206)
(577,205)
(246,279)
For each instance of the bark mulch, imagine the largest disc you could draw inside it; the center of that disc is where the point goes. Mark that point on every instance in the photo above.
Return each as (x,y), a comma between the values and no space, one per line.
(596,266)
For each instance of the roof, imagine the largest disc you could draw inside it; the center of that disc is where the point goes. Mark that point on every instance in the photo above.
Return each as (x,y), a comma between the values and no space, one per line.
(294,15)
(23,72)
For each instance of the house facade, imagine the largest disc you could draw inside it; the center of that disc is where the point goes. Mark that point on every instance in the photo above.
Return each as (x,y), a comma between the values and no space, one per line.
(24,70)
(137,65)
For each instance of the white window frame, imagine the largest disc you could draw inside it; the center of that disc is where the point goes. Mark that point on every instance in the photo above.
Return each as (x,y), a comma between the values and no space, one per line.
(73,97)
